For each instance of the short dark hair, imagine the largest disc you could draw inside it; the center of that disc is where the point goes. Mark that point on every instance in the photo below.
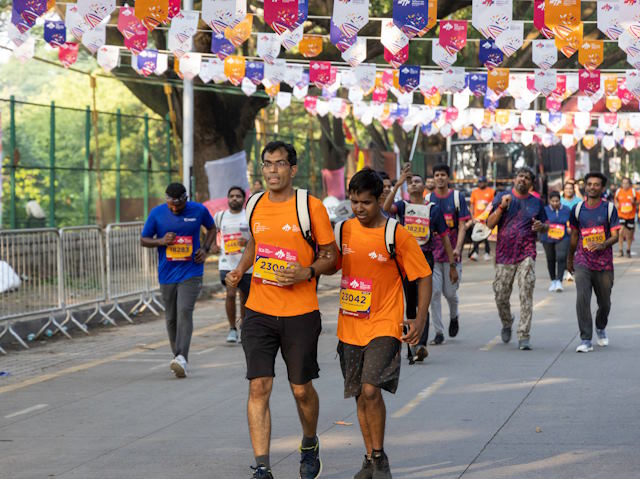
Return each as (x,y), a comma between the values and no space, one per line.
(627,178)
(554,194)
(383,174)
(240,189)
(596,174)
(176,190)
(527,170)
(292,156)
(442,167)
(413,175)
(366,180)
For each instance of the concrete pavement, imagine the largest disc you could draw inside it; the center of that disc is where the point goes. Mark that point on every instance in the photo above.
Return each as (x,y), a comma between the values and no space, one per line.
(107,406)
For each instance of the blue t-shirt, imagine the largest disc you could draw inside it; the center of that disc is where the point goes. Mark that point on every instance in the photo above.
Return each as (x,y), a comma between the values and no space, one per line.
(594,225)
(516,239)
(447,206)
(437,225)
(570,203)
(180,265)
(558,225)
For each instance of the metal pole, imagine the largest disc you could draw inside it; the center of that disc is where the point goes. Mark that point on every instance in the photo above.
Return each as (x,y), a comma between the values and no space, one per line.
(449,156)
(12,165)
(167,131)
(87,173)
(146,165)
(416,134)
(52,166)
(187,124)
(118,161)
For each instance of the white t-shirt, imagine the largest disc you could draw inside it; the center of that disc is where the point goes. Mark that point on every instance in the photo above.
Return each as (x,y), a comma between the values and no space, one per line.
(233,227)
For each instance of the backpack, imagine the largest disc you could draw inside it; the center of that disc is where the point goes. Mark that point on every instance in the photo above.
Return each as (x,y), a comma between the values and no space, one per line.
(390,228)
(302,212)
(217,219)
(428,205)
(609,212)
(456,200)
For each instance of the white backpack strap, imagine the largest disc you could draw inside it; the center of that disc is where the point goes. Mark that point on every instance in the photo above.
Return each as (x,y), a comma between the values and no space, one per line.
(427,198)
(218,219)
(610,210)
(577,213)
(456,201)
(337,232)
(429,205)
(251,206)
(390,236)
(302,210)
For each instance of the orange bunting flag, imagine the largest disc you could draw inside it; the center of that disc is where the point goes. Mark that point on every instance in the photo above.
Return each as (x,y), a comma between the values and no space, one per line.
(498,79)
(432,16)
(588,141)
(432,100)
(310,46)
(502,117)
(151,12)
(570,43)
(611,85)
(591,54)
(241,32)
(562,16)
(234,68)
(272,90)
(488,118)
(613,103)
(176,68)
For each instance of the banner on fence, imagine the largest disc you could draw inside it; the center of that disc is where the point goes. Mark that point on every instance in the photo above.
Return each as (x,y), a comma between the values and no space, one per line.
(222,175)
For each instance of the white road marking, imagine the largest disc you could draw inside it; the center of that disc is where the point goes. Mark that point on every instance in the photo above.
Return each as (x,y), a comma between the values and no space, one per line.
(26,411)
(421,396)
(205,350)
(491,344)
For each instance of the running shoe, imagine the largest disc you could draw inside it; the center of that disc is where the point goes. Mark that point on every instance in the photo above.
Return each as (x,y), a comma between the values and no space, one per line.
(381,469)
(474,256)
(559,288)
(439,339)
(261,472)
(366,472)
(487,257)
(179,366)
(524,345)
(552,286)
(628,254)
(602,340)
(232,337)
(505,334)
(584,347)
(454,327)
(310,463)
(421,353)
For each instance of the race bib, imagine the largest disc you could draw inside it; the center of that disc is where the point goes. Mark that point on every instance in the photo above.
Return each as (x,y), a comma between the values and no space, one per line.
(556,231)
(232,243)
(271,259)
(626,208)
(449,219)
(416,222)
(591,235)
(181,249)
(481,205)
(355,296)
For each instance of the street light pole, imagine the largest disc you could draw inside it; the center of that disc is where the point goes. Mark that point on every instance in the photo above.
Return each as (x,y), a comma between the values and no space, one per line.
(187,124)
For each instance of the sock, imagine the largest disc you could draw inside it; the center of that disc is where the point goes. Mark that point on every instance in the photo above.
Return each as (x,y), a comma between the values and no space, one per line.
(377,453)
(263,461)
(309,441)
(233,328)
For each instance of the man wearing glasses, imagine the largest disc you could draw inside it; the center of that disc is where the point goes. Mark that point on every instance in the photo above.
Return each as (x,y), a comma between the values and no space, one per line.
(282,309)
(174,228)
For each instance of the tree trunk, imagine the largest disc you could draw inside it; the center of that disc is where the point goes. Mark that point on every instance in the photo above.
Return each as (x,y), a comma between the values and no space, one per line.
(332,142)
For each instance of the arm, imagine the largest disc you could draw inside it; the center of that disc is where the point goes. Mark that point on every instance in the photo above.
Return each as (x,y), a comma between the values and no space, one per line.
(416,326)
(388,202)
(209,239)
(453,272)
(462,229)
(324,264)
(572,249)
(606,244)
(157,242)
(496,214)
(234,276)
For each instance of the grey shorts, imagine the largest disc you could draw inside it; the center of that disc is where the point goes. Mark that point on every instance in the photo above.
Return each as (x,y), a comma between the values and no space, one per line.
(377,363)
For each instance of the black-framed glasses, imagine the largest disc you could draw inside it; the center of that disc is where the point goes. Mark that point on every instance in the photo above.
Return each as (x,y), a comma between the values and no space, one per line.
(279,165)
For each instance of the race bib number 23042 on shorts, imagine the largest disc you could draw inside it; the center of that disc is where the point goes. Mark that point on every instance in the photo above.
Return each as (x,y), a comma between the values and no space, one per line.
(271,259)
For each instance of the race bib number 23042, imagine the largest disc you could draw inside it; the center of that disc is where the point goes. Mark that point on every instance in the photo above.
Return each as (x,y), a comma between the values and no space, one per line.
(355,296)
(271,259)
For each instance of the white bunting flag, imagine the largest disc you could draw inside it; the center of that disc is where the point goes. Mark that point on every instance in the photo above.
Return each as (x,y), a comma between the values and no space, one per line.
(248,87)
(26,50)
(300,91)
(366,76)
(511,39)
(630,17)
(544,53)
(283,99)
(491,17)
(190,65)
(609,18)
(293,74)
(454,80)
(290,38)
(108,57)
(350,15)
(74,22)
(93,12)
(220,14)
(441,56)
(357,53)
(545,81)
(162,63)
(392,37)
(95,38)
(275,72)
(268,47)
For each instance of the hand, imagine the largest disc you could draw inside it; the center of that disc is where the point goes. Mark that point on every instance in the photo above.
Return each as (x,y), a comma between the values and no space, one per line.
(537,225)
(595,246)
(295,273)
(232,278)
(168,239)
(414,331)
(403,177)
(570,267)
(201,256)
(457,254)
(215,249)
(506,201)
(242,242)
(453,274)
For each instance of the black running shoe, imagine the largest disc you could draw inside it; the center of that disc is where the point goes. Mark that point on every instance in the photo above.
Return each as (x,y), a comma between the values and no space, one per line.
(439,339)
(506,335)
(421,353)
(367,469)
(310,464)
(454,327)
(381,468)
(261,472)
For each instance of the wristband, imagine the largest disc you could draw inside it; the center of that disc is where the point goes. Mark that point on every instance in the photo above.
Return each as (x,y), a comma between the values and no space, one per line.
(313,273)
(501,207)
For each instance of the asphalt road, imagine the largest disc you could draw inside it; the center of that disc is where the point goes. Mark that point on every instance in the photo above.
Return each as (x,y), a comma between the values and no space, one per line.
(107,406)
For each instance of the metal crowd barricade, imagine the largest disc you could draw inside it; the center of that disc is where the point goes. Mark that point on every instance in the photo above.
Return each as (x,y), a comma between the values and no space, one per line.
(129,269)
(34,256)
(152,286)
(83,273)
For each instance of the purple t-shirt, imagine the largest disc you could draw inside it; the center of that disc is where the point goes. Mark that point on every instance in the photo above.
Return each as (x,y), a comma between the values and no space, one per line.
(594,225)
(516,239)
(447,206)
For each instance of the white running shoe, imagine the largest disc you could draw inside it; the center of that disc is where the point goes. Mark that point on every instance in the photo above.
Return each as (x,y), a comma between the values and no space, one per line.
(487,257)
(584,347)
(232,337)
(474,256)
(179,366)
(552,286)
(559,288)
(603,340)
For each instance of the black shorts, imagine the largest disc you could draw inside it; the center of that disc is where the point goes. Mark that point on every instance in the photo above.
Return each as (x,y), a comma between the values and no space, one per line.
(629,224)
(243,285)
(295,336)
(377,363)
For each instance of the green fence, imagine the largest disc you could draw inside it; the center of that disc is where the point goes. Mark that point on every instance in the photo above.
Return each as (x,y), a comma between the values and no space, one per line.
(80,166)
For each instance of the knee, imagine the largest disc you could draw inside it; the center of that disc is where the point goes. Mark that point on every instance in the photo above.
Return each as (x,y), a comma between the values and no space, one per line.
(370,393)
(302,392)
(260,389)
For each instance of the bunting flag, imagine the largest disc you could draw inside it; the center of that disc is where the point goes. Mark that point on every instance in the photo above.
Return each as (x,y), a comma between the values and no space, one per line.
(490,55)
(442,57)
(350,16)
(55,33)
(95,38)
(395,60)
(589,81)
(221,46)
(478,84)
(268,46)
(545,81)
(234,68)
(146,61)
(68,53)
(453,35)
(410,16)
(355,55)
(223,14)
(630,17)
(498,80)
(248,87)
(609,18)
(319,73)
(570,42)
(591,54)
(281,15)
(128,24)
(341,41)
(108,57)
(151,12)
(454,80)
(409,77)
(93,12)
(240,33)
(544,53)
(310,46)
(254,71)
(392,37)
(190,65)
(491,17)
(291,39)
(74,22)
(538,19)
(562,16)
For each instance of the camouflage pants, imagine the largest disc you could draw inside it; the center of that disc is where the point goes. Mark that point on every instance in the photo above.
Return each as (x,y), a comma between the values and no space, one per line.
(502,287)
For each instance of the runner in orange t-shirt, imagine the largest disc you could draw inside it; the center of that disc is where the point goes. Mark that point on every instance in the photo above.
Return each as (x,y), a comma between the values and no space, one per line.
(481,197)
(626,201)
(282,308)
(370,318)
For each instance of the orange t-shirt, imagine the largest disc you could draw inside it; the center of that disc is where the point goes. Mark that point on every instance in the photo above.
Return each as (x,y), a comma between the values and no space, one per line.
(480,199)
(278,240)
(626,209)
(371,299)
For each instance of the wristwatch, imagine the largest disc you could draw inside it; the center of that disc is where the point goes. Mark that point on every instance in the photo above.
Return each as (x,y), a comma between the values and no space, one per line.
(313,273)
